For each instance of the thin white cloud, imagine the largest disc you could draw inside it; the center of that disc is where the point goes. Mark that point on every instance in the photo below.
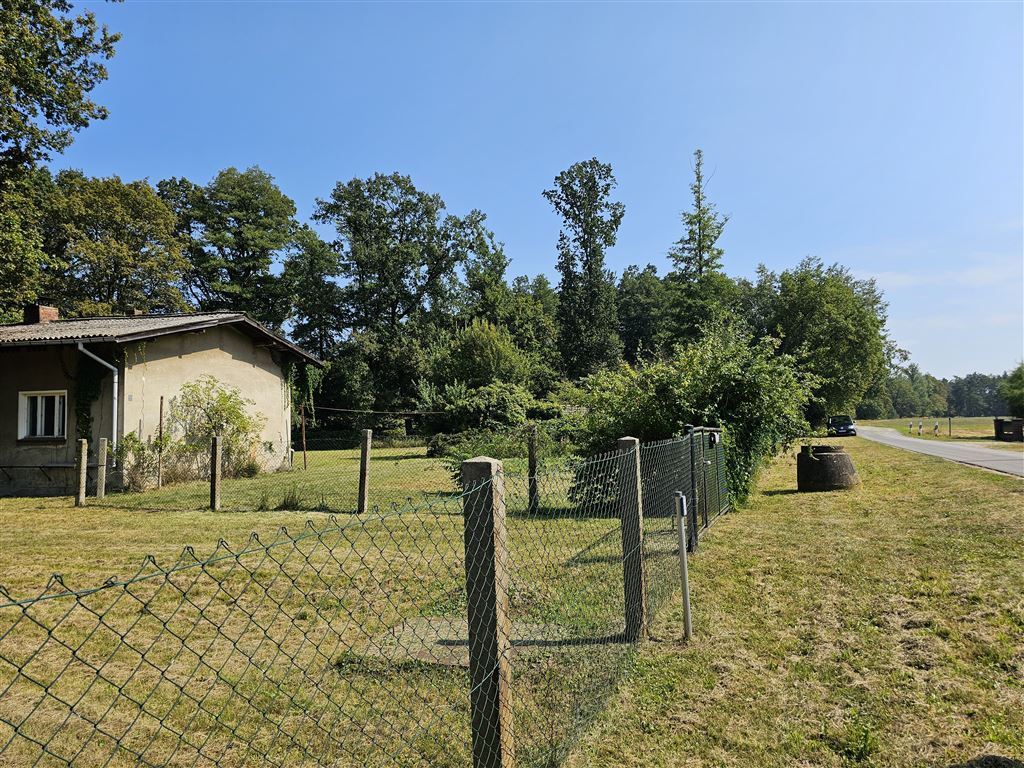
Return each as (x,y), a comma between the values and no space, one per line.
(949,322)
(995,270)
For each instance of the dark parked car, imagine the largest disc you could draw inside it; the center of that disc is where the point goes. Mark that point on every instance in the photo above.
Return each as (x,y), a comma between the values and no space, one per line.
(841,426)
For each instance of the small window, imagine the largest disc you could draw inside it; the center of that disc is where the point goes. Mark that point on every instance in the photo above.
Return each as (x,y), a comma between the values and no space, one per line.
(42,414)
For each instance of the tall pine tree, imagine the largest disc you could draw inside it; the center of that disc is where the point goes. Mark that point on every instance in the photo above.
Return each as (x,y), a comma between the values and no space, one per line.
(700,291)
(588,335)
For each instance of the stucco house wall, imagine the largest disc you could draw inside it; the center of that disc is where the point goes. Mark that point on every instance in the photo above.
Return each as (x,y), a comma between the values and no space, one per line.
(158,368)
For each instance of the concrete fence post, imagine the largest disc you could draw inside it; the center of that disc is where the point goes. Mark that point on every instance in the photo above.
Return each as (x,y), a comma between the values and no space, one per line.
(684,572)
(487,577)
(532,480)
(82,471)
(215,473)
(631,517)
(101,469)
(364,470)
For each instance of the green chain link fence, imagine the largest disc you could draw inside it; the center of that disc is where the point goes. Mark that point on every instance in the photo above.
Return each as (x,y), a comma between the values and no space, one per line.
(352,642)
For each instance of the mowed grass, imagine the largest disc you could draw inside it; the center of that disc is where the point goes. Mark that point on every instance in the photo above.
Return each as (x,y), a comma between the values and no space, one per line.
(969,429)
(327,480)
(318,649)
(877,627)
(42,536)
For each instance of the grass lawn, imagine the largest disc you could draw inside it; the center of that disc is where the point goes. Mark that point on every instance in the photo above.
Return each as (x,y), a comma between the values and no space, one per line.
(970,429)
(329,481)
(340,645)
(879,627)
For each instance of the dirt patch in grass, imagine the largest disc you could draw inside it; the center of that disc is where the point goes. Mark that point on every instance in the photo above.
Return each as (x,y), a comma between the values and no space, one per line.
(882,626)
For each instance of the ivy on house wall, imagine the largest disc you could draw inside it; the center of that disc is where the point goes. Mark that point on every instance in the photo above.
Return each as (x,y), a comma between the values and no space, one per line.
(303,381)
(88,384)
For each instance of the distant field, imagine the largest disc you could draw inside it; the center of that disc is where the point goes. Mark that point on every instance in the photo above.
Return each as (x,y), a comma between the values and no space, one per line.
(974,429)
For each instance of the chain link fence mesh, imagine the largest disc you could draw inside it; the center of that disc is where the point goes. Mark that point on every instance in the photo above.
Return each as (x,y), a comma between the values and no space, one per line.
(347,643)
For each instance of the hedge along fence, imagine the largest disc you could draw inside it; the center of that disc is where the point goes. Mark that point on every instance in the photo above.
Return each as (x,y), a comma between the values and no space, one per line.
(486,627)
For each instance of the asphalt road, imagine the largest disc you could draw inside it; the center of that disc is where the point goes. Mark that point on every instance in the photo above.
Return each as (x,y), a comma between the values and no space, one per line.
(997,459)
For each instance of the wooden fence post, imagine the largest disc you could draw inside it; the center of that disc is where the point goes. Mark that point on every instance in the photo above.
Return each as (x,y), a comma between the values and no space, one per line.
(160,447)
(532,480)
(101,469)
(81,465)
(365,446)
(631,517)
(684,572)
(490,673)
(215,472)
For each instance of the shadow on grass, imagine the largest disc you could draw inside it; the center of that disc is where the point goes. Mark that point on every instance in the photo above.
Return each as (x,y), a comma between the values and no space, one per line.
(780,492)
(619,638)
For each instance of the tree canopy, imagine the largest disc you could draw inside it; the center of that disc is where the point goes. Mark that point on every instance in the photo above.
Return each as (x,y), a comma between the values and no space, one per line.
(50,61)
(235,229)
(588,324)
(113,247)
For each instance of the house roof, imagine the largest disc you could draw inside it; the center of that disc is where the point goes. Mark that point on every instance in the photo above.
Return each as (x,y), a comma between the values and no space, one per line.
(123,329)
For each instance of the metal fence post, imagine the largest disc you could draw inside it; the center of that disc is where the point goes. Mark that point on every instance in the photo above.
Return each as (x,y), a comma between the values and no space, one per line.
(81,465)
(160,447)
(490,673)
(101,469)
(631,517)
(364,470)
(215,472)
(693,538)
(684,573)
(534,489)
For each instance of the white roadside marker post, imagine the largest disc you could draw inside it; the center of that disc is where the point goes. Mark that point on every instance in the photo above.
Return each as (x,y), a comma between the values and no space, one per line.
(684,574)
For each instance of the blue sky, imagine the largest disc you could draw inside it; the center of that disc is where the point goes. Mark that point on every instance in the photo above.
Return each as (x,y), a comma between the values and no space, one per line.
(889,137)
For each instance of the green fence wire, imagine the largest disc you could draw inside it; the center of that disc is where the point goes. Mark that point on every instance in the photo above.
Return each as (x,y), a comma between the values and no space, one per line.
(345,643)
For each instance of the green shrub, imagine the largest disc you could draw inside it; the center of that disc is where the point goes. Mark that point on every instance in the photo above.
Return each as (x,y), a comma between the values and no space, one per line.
(498,444)
(138,461)
(725,379)
(204,408)
(480,354)
(457,408)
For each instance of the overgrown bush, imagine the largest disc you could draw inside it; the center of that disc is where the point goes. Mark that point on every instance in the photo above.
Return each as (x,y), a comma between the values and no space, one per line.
(138,460)
(724,379)
(457,408)
(481,354)
(204,408)
(498,444)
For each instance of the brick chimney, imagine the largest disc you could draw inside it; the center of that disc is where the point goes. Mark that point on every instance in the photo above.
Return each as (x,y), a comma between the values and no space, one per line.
(40,313)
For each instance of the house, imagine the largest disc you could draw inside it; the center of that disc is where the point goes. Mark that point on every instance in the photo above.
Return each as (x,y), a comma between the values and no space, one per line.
(118,370)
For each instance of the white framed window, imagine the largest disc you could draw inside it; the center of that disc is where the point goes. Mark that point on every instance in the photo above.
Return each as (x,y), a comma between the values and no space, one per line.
(42,414)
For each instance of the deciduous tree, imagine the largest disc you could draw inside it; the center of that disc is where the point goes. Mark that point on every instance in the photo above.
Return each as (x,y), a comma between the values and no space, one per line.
(236,229)
(113,248)
(50,61)
(641,305)
(834,326)
(588,323)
